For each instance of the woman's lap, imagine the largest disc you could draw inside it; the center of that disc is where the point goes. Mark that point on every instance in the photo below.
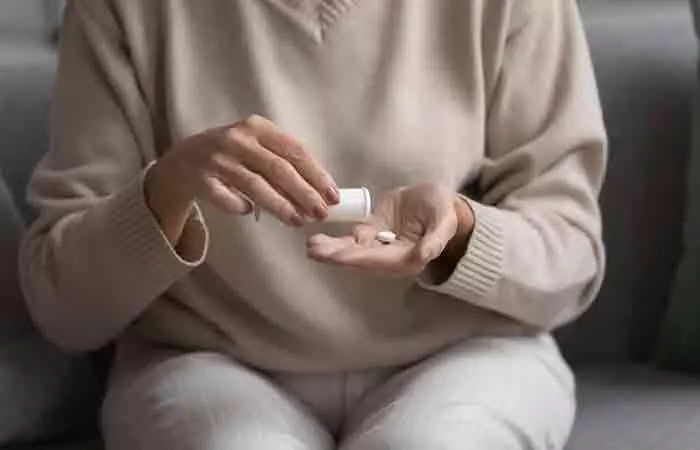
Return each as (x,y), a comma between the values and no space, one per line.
(485,394)
(204,401)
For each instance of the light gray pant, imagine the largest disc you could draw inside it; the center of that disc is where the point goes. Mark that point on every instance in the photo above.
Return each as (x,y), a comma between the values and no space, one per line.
(484,394)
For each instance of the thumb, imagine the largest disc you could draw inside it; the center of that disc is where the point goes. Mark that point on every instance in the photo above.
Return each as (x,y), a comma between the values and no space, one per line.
(433,243)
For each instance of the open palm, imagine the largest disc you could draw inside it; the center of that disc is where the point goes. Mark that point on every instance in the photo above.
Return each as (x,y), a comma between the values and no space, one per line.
(422,216)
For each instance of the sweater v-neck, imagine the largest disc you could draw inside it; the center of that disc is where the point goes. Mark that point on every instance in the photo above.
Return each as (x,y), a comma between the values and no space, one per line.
(315,16)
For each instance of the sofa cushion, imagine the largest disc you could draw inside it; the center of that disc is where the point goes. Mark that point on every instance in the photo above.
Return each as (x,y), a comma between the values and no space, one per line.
(636,408)
(29,18)
(44,394)
(644,55)
(26,81)
(36,381)
(680,344)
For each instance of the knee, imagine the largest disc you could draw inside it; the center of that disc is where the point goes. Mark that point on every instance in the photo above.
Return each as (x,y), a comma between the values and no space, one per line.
(207,403)
(474,430)
(395,438)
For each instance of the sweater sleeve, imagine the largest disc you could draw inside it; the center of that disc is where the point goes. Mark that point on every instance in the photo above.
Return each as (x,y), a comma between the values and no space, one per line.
(96,257)
(536,253)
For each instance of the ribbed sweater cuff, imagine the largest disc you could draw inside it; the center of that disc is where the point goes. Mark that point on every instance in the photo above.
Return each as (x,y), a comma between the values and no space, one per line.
(139,250)
(478,272)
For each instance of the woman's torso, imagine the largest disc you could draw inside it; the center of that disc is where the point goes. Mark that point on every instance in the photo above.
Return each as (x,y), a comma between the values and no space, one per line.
(384,94)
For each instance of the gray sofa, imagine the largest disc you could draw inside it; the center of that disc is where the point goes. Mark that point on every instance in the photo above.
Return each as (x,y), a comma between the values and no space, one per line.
(645,57)
(644,52)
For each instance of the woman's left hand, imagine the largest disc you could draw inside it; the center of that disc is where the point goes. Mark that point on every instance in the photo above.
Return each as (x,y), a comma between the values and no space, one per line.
(432,225)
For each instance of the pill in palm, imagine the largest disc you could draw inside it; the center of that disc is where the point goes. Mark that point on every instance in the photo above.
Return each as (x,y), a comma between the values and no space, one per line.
(386,237)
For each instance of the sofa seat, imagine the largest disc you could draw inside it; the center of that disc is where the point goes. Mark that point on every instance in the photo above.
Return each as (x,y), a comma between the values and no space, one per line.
(636,408)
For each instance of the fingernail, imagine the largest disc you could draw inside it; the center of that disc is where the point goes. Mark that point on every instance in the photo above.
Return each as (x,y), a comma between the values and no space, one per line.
(297,220)
(249,208)
(320,212)
(332,195)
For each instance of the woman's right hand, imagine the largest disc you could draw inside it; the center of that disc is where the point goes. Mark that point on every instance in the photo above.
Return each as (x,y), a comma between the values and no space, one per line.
(234,167)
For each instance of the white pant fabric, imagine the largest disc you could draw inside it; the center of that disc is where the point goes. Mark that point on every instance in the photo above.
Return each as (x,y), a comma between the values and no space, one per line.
(483,394)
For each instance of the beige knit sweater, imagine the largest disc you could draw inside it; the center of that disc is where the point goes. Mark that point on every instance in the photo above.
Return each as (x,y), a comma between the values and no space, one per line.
(497,95)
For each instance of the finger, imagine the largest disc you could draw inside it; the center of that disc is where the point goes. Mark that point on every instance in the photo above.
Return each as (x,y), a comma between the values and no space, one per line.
(286,147)
(283,177)
(259,191)
(435,240)
(224,199)
(365,234)
(392,260)
(321,247)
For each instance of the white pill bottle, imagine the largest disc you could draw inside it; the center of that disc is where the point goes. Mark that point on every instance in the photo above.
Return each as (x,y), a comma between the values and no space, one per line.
(355,206)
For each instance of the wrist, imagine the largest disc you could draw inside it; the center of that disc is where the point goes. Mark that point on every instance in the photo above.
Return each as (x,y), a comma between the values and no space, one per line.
(169,200)
(441,269)
(465,225)
(164,186)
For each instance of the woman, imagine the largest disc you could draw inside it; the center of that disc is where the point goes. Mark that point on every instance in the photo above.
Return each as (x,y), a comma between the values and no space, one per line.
(174,117)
